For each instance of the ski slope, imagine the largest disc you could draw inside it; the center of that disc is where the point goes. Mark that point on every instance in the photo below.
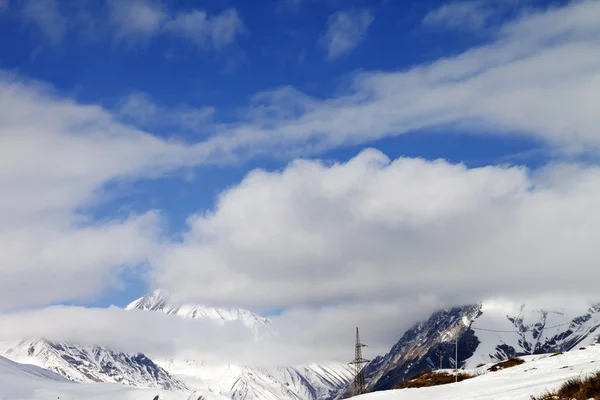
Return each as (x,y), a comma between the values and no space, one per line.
(539,373)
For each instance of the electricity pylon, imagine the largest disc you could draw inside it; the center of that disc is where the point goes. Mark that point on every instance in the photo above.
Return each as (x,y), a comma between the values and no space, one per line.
(358,363)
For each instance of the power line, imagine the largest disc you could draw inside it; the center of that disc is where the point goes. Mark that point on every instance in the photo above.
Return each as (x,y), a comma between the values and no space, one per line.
(495,330)
(381,384)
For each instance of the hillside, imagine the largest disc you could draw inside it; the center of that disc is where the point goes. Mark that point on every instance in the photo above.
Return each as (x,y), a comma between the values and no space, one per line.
(486,332)
(538,374)
(22,381)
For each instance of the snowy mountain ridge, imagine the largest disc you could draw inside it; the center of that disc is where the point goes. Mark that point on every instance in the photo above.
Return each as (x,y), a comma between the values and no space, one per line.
(91,363)
(160,301)
(538,374)
(100,364)
(307,382)
(486,332)
(22,381)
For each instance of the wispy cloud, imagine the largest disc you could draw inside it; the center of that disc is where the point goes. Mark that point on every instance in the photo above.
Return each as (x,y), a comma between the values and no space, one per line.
(475,15)
(536,78)
(46,15)
(141,110)
(196,26)
(288,5)
(143,19)
(136,19)
(134,22)
(345,30)
(472,14)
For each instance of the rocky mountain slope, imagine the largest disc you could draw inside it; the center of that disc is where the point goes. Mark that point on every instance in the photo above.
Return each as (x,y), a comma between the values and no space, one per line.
(91,363)
(486,332)
(536,376)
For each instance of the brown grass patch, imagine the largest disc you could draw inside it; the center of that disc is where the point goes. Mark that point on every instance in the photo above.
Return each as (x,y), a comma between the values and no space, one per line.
(427,379)
(506,364)
(575,388)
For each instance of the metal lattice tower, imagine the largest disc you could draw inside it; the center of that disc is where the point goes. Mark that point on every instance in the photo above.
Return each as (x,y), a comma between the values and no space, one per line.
(358,363)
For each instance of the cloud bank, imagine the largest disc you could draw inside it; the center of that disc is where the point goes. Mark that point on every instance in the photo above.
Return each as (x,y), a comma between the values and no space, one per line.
(328,241)
(375,229)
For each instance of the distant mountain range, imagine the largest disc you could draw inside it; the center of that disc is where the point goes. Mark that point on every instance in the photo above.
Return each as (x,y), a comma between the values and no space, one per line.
(91,363)
(237,382)
(486,332)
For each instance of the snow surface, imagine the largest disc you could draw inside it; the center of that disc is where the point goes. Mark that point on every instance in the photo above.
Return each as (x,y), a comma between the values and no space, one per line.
(530,326)
(238,382)
(539,373)
(91,363)
(29,382)
(277,383)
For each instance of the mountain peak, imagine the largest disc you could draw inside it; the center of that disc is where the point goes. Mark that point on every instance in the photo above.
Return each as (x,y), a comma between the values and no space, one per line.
(153,301)
(159,300)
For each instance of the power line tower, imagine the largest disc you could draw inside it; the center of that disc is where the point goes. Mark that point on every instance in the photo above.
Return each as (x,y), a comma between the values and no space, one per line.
(358,363)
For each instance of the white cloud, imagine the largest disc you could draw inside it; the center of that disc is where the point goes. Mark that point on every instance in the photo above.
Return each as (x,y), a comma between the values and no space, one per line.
(329,339)
(345,30)
(538,78)
(56,156)
(374,230)
(201,29)
(144,19)
(134,22)
(136,19)
(140,109)
(461,15)
(48,18)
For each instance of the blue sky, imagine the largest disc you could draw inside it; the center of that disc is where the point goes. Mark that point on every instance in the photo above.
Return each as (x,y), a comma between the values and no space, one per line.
(192,70)
(325,162)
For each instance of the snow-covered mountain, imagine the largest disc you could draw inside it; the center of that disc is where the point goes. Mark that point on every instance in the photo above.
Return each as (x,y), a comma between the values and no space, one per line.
(91,363)
(238,382)
(160,301)
(539,374)
(309,382)
(486,332)
(22,381)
